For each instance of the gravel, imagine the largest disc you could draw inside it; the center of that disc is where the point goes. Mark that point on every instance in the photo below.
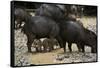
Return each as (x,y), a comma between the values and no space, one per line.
(76,57)
(21,58)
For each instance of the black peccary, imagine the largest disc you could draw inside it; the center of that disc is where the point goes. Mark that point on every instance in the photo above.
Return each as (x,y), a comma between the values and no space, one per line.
(45,44)
(19,16)
(55,12)
(52,11)
(38,45)
(49,44)
(40,27)
(75,10)
(74,32)
(37,27)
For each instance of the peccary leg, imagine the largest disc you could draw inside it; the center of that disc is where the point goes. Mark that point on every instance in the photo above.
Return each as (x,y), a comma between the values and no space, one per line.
(69,46)
(37,50)
(64,46)
(29,42)
(51,47)
(40,48)
(83,50)
(80,47)
(94,49)
(45,46)
(60,41)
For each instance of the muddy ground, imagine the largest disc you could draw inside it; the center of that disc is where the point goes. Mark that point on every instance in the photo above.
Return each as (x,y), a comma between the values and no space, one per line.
(23,58)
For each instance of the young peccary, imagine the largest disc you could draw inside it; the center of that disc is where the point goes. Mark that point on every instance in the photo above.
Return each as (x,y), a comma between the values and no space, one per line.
(38,44)
(49,44)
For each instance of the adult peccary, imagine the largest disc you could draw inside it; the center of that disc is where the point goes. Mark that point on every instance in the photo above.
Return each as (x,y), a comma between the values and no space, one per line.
(52,11)
(49,44)
(55,12)
(40,27)
(74,32)
(37,27)
(19,16)
(74,10)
